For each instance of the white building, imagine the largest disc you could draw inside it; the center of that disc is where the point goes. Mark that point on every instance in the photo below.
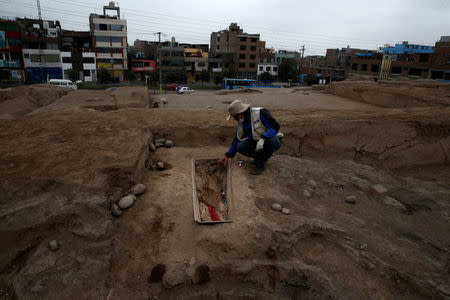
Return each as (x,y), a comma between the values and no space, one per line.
(270,68)
(109,34)
(89,70)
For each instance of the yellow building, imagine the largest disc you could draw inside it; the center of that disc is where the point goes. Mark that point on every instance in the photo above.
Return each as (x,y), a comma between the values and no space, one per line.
(195,61)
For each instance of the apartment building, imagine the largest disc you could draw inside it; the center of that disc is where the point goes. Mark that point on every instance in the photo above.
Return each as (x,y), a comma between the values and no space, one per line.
(77,53)
(242,50)
(41,41)
(195,61)
(11,60)
(267,63)
(109,39)
(441,61)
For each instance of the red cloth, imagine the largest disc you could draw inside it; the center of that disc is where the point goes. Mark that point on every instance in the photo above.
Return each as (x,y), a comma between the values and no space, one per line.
(212,213)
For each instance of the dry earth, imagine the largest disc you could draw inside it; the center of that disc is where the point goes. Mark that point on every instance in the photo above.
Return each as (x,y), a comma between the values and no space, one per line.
(63,165)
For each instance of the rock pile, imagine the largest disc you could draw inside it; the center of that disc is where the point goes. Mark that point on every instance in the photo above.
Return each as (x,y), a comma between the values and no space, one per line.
(128,200)
(154,144)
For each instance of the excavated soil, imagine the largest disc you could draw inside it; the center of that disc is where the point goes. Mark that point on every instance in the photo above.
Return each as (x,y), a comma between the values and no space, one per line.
(62,168)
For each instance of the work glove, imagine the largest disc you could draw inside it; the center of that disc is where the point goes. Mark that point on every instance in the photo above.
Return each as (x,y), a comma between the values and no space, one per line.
(260,144)
(222,161)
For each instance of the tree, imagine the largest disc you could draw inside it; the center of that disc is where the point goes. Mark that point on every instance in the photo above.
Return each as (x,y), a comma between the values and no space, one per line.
(266,77)
(104,75)
(130,76)
(229,73)
(287,70)
(204,76)
(154,76)
(218,77)
(4,74)
(310,79)
(177,77)
(73,75)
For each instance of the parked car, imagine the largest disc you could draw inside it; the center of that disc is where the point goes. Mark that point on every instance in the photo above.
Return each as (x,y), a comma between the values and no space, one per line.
(184,90)
(64,83)
(172,87)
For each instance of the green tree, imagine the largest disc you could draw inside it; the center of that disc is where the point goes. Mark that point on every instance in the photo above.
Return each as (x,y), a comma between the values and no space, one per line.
(266,77)
(229,73)
(154,76)
(130,76)
(73,75)
(176,77)
(218,77)
(4,74)
(287,70)
(310,79)
(104,75)
(204,76)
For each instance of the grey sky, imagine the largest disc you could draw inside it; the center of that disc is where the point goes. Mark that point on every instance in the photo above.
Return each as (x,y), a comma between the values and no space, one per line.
(285,24)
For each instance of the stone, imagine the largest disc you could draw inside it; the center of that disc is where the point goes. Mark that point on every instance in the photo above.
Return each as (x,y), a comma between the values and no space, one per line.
(160,165)
(53,245)
(151,147)
(164,100)
(159,145)
(277,207)
(168,144)
(393,202)
(306,193)
(378,190)
(138,189)
(201,275)
(286,211)
(363,246)
(158,141)
(350,199)
(311,183)
(360,183)
(127,201)
(208,107)
(115,210)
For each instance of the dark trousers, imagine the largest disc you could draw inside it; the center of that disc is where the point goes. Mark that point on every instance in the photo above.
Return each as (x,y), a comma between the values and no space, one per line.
(247,148)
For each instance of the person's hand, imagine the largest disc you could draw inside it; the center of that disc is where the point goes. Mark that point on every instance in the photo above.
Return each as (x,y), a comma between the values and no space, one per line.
(260,144)
(222,161)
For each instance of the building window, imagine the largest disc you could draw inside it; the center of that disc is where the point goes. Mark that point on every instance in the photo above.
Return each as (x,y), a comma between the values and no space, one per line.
(116,27)
(261,68)
(253,48)
(116,39)
(252,56)
(241,65)
(146,64)
(242,56)
(355,67)
(251,65)
(87,73)
(26,56)
(267,69)
(117,50)
(51,58)
(396,70)
(275,69)
(375,68)
(364,67)
(201,64)
(243,39)
(103,50)
(88,60)
(242,47)
(67,60)
(254,40)
(103,27)
(102,39)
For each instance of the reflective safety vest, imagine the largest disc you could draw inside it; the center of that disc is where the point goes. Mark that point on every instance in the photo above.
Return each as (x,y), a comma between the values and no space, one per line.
(258,127)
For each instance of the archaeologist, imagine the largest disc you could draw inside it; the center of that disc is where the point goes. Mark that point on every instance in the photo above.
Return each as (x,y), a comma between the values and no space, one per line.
(257,135)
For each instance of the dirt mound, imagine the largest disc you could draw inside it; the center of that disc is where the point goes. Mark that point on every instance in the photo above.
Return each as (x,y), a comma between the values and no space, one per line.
(19,101)
(239,91)
(393,94)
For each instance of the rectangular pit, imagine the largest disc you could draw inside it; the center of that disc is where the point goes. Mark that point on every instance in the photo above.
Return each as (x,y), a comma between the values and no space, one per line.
(211,186)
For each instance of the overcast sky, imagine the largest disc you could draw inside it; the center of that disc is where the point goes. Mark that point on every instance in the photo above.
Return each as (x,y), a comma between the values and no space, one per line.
(283,24)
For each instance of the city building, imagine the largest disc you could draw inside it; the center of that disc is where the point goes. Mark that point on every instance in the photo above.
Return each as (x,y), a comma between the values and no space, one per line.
(240,50)
(283,54)
(77,53)
(41,41)
(109,38)
(440,68)
(11,60)
(406,48)
(195,61)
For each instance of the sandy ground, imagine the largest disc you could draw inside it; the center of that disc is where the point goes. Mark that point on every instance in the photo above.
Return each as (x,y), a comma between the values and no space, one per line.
(286,98)
(62,168)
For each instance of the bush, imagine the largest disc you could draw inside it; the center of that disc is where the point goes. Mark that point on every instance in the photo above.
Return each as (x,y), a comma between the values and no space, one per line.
(73,75)
(266,78)
(130,76)
(104,75)
(204,76)
(309,80)
(218,77)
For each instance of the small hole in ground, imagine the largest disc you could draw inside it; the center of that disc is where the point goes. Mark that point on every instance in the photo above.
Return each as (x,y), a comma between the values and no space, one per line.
(157,273)
(201,274)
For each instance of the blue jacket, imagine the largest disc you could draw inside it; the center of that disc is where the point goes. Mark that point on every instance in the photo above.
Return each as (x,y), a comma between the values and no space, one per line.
(268,121)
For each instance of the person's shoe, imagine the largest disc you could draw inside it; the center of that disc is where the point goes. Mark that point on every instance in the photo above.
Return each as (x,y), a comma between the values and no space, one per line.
(257,171)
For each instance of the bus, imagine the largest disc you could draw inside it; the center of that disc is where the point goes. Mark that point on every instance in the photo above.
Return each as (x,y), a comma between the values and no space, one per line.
(229,83)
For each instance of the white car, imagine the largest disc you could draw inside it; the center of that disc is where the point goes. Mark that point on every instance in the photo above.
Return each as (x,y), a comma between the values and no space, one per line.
(184,89)
(64,83)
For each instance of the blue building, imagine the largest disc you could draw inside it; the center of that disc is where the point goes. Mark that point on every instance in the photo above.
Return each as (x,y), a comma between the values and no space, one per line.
(406,48)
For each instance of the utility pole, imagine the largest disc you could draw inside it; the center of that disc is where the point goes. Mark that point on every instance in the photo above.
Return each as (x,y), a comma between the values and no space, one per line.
(159,61)
(39,9)
(301,62)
